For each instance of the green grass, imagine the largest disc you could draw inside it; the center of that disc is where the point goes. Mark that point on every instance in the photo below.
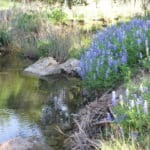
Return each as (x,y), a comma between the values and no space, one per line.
(117,144)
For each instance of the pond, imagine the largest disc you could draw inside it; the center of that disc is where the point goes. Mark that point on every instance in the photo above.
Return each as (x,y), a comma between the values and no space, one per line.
(30,106)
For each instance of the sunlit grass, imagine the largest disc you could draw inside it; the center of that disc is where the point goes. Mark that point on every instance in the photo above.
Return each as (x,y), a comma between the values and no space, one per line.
(117,144)
(5,4)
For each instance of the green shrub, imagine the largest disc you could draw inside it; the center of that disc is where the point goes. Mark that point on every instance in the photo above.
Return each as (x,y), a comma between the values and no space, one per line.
(58,16)
(5,37)
(44,47)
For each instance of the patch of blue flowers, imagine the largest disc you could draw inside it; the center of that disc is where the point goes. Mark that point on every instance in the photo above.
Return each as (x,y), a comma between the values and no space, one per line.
(113,51)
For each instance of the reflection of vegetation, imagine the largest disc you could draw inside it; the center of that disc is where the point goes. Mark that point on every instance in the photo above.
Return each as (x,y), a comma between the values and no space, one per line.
(12,85)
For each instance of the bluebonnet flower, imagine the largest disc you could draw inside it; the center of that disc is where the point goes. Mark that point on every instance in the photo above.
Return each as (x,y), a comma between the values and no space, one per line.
(109,118)
(114,100)
(124,58)
(109,47)
(139,42)
(147,48)
(127,92)
(145,107)
(139,101)
(110,61)
(132,103)
(134,95)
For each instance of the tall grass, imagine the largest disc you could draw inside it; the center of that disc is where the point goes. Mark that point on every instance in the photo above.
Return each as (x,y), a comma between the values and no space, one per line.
(117,144)
(5,37)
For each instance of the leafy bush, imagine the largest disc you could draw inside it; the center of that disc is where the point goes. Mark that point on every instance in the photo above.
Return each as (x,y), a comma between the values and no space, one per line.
(113,52)
(44,47)
(5,37)
(28,22)
(58,16)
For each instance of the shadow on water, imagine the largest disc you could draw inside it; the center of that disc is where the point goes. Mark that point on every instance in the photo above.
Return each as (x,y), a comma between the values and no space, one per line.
(35,107)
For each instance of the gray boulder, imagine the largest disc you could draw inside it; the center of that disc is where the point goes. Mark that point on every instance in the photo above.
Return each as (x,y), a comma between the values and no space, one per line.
(49,66)
(19,143)
(44,66)
(71,66)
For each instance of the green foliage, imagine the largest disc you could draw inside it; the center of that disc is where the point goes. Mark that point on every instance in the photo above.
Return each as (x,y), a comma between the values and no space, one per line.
(28,22)
(82,46)
(5,37)
(132,112)
(76,52)
(146,63)
(104,82)
(44,47)
(58,16)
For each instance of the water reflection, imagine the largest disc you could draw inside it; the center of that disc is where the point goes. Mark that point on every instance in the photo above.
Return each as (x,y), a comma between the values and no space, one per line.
(13,125)
(34,107)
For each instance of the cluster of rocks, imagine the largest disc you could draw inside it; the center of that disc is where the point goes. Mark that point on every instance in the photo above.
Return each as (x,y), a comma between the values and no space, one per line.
(49,66)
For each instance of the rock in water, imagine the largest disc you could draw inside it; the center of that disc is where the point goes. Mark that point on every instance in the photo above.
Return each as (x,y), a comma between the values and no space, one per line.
(71,66)
(49,66)
(44,66)
(20,143)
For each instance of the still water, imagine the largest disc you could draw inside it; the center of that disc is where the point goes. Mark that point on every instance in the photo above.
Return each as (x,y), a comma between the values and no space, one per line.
(30,106)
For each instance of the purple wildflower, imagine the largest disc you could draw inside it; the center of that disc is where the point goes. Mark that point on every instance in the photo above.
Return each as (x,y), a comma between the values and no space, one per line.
(139,101)
(127,92)
(147,48)
(139,42)
(132,103)
(114,101)
(145,107)
(124,58)
(109,118)
(110,61)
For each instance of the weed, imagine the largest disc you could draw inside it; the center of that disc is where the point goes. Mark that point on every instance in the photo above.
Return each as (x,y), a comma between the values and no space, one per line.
(5,37)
